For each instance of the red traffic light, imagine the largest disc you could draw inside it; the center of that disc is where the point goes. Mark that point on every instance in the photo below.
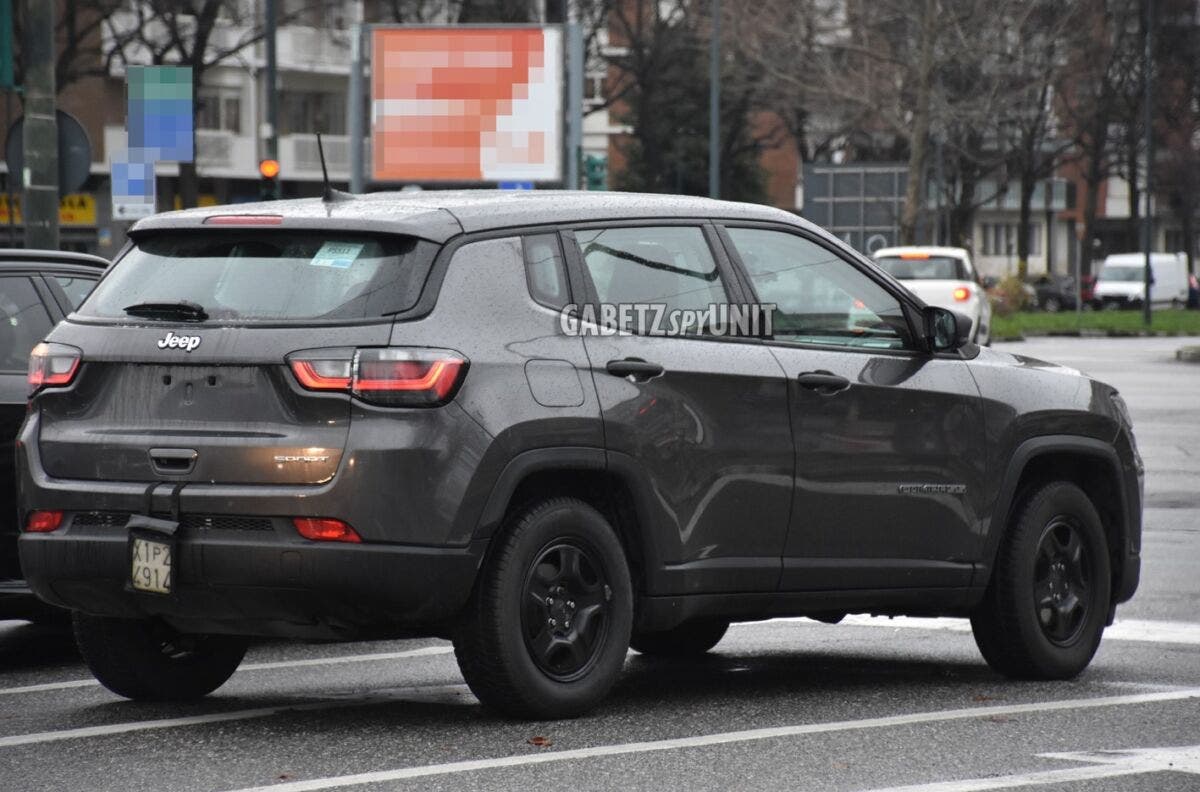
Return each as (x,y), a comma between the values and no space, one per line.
(269,168)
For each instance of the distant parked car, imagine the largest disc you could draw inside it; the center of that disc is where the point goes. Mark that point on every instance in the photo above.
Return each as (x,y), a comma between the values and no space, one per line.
(38,288)
(1121,280)
(942,276)
(1053,292)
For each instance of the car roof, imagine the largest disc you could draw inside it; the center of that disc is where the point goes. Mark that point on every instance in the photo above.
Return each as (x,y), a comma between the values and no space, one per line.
(1138,258)
(438,215)
(932,250)
(32,258)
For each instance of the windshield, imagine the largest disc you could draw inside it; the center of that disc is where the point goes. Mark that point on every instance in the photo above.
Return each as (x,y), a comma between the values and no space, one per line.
(931,268)
(267,275)
(1122,273)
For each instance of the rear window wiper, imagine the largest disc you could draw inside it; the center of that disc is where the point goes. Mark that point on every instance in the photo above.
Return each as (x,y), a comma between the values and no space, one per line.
(183,310)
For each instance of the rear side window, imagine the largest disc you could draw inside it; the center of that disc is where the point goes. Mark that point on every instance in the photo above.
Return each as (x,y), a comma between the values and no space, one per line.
(23,322)
(268,276)
(671,266)
(923,267)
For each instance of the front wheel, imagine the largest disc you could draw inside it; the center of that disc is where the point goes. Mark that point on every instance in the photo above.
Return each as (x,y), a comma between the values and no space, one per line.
(547,628)
(1045,608)
(147,661)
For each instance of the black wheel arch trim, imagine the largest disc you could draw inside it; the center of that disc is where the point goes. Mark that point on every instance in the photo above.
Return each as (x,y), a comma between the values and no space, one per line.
(1127,562)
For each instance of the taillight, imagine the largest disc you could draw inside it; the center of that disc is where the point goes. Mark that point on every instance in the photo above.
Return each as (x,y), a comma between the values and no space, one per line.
(325,529)
(43,521)
(393,376)
(962,294)
(52,366)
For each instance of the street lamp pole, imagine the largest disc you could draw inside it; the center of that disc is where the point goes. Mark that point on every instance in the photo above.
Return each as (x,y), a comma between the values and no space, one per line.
(714,104)
(1148,217)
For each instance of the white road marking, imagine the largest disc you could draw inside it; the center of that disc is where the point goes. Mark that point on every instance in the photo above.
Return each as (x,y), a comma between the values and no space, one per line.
(314,661)
(1142,630)
(1101,764)
(444,694)
(725,738)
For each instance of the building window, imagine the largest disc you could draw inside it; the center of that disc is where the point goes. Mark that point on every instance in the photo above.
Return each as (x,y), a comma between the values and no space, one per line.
(308,112)
(220,109)
(1000,239)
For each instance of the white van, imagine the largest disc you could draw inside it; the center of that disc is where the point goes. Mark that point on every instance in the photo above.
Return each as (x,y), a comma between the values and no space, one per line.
(1120,284)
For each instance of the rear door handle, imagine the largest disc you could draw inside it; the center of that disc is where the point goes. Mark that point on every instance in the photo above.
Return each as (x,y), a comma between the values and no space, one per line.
(640,370)
(173,461)
(825,382)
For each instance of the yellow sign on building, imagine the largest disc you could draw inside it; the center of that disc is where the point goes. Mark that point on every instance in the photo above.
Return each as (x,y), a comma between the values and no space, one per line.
(74,209)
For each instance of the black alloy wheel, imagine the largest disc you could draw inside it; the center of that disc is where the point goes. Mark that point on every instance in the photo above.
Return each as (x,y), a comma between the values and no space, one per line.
(565,619)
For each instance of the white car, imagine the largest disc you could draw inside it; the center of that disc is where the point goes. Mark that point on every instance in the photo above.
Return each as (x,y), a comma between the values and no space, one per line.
(1122,280)
(942,276)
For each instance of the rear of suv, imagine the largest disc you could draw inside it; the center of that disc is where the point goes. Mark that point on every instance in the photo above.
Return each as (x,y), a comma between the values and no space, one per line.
(393,416)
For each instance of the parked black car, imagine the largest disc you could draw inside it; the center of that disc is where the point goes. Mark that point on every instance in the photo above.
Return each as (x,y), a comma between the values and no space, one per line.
(37,289)
(371,416)
(1054,292)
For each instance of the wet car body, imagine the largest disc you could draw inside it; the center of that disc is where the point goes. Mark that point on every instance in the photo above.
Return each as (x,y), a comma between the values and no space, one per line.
(740,485)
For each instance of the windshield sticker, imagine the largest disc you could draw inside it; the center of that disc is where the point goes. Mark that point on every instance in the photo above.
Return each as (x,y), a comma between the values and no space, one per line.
(339,255)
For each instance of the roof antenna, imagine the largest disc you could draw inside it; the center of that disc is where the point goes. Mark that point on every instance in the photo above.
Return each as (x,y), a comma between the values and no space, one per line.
(328,194)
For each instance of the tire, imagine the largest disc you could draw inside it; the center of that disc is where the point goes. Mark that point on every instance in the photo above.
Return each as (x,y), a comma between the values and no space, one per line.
(147,661)
(1054,553)
(547,628)
(686,640)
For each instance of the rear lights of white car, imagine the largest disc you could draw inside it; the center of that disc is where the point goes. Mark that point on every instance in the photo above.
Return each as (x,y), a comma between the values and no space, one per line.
(52,366)
(392,377)
(962,294)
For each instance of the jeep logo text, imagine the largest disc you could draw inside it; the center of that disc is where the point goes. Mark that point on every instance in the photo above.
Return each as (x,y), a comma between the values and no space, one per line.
(172,341)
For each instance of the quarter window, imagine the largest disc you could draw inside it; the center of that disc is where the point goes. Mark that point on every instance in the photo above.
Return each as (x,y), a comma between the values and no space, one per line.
(820,298)
(75,288)
(669,266)
(544,270)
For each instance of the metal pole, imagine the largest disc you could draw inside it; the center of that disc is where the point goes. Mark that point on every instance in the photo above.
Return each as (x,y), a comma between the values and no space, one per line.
(574,102)
(270,27)
(1148,218)
(8,181)
(40,203)
(355,109)
(714,104)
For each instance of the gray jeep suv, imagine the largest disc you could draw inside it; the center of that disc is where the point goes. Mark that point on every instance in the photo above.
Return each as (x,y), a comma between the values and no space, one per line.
(389,415)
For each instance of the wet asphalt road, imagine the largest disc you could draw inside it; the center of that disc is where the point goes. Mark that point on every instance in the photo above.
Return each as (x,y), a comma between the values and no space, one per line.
(790,704)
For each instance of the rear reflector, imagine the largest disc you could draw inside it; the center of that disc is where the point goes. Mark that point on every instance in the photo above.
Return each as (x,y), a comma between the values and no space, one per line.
(244,220)
(392,377)
(52,366)
(43,521)
(325,529)
(962,294)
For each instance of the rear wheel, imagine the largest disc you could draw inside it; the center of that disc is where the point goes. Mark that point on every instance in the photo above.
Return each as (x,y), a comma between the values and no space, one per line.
(547,629)
(691,638)
(1044,611)
(147,661)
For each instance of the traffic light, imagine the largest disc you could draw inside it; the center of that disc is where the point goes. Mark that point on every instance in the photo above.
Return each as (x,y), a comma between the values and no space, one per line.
(269,170)
(595,167)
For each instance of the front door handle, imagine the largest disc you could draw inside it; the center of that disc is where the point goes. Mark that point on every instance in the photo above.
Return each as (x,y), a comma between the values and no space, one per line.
(824,382)
(636,368)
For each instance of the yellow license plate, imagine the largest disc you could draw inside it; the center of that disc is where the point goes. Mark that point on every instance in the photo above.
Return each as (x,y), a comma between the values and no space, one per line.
(151,566)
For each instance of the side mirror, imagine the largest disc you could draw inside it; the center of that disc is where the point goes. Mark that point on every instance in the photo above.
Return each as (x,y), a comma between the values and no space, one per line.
(946,330)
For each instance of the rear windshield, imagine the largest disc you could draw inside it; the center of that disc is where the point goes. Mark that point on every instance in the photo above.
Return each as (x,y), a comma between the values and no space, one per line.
(932,268)
(268,275)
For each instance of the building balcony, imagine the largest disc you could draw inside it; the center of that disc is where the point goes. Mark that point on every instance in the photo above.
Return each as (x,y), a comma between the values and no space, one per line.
(299,158)
(218,154)
(308,49)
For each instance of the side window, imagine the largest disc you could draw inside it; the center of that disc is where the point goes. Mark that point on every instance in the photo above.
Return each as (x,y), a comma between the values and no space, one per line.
(544,270)
(23,322)
(668,266)
(76,288)
(820,298)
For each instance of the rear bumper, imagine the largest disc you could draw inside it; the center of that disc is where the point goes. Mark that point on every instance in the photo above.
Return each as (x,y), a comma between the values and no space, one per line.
(17,601)
(265,583)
